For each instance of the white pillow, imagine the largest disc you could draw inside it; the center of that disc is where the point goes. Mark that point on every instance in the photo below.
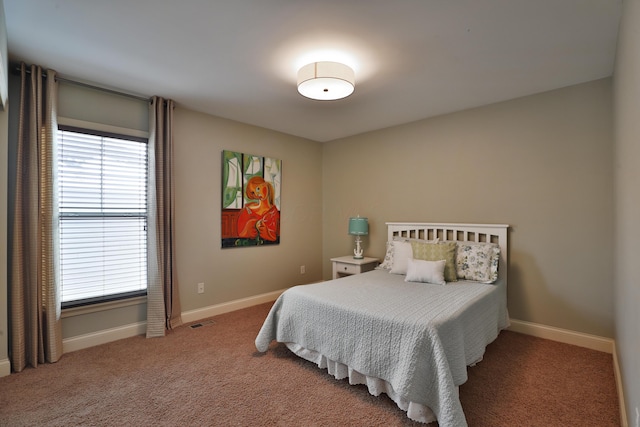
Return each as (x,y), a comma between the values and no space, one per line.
(425,271)
(402,251)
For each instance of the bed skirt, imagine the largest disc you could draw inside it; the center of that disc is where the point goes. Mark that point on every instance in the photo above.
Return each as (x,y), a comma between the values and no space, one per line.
(376,386)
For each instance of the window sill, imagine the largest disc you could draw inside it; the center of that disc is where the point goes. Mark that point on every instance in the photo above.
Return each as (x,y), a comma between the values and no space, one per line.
(110,305)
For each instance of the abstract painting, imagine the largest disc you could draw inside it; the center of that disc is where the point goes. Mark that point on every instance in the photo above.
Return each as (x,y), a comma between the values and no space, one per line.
(251,200)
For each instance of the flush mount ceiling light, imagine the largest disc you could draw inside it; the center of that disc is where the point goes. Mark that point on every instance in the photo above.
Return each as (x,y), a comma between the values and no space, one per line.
(326,81)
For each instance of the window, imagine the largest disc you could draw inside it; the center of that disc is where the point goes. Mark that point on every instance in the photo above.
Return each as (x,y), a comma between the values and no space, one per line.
(102,181)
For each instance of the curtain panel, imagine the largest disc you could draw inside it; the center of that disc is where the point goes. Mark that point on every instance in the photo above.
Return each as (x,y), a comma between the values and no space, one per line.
(34,296)
(163,298)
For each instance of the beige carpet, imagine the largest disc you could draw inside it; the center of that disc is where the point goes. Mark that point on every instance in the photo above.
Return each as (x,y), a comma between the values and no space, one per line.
(213,376)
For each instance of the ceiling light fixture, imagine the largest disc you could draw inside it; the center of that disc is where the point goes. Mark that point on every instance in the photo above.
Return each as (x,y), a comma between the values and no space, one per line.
(326,81)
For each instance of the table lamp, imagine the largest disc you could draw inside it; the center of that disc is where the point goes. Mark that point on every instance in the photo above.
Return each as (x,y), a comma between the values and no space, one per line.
(358,227)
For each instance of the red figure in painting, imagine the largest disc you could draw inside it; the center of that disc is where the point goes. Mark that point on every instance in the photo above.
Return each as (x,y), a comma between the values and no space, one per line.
(260,217)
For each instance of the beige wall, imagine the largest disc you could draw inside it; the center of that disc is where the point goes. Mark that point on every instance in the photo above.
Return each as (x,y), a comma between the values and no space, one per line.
(542,164)
(627,178)
(97,106)
(235,273)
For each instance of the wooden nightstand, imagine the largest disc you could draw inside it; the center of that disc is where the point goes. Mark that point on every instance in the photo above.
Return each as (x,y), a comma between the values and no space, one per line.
(347,265)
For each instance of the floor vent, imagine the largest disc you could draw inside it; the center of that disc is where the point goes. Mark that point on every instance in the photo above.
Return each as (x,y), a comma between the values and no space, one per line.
(201,324)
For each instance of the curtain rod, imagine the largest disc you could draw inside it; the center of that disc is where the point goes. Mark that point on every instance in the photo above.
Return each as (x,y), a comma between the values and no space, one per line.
(90,86)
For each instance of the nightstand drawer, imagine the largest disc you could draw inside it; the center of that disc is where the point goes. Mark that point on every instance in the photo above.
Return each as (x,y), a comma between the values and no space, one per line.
(343,268)
(348,265)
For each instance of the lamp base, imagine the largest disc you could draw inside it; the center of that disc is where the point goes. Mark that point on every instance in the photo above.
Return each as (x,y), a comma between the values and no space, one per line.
(358,253)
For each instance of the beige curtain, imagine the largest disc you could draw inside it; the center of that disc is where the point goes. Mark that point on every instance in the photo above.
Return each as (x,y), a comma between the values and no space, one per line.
(163,299)
(34,305)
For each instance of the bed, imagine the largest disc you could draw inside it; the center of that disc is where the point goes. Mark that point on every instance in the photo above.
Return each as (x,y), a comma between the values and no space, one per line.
(401,329)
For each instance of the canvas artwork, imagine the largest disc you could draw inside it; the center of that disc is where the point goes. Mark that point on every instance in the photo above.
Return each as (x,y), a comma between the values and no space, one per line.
(251,188)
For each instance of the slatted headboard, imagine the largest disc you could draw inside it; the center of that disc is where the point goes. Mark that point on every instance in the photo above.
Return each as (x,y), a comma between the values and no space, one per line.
(494,233)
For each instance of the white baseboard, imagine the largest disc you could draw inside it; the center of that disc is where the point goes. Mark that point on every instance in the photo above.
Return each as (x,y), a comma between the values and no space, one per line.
(593,342)
(5,368)
(226,307)
(102,337)
(624,422)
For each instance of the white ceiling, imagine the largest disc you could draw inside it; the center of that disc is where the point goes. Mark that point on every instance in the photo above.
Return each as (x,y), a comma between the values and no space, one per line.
(238,59)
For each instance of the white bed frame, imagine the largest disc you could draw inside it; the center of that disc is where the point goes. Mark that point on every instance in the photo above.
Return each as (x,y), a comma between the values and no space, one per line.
(494,233)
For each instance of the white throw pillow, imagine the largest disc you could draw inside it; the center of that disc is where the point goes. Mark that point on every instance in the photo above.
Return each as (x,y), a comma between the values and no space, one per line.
(425,271)
(402,251)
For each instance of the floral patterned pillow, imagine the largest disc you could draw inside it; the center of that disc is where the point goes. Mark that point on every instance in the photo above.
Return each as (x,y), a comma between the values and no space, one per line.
(477,261)
(387,262)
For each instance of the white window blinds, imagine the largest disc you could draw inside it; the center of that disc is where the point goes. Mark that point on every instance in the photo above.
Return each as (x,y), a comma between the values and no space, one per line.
(102,181)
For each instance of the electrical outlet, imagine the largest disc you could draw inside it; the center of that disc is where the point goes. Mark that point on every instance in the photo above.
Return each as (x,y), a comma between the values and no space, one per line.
(303,269)
(200,288)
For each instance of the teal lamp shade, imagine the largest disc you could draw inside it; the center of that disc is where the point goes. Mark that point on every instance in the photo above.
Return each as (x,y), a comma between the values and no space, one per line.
(358,226)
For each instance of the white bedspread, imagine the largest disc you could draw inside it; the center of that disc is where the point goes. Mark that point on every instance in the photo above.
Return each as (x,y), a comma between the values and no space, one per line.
(418,337)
